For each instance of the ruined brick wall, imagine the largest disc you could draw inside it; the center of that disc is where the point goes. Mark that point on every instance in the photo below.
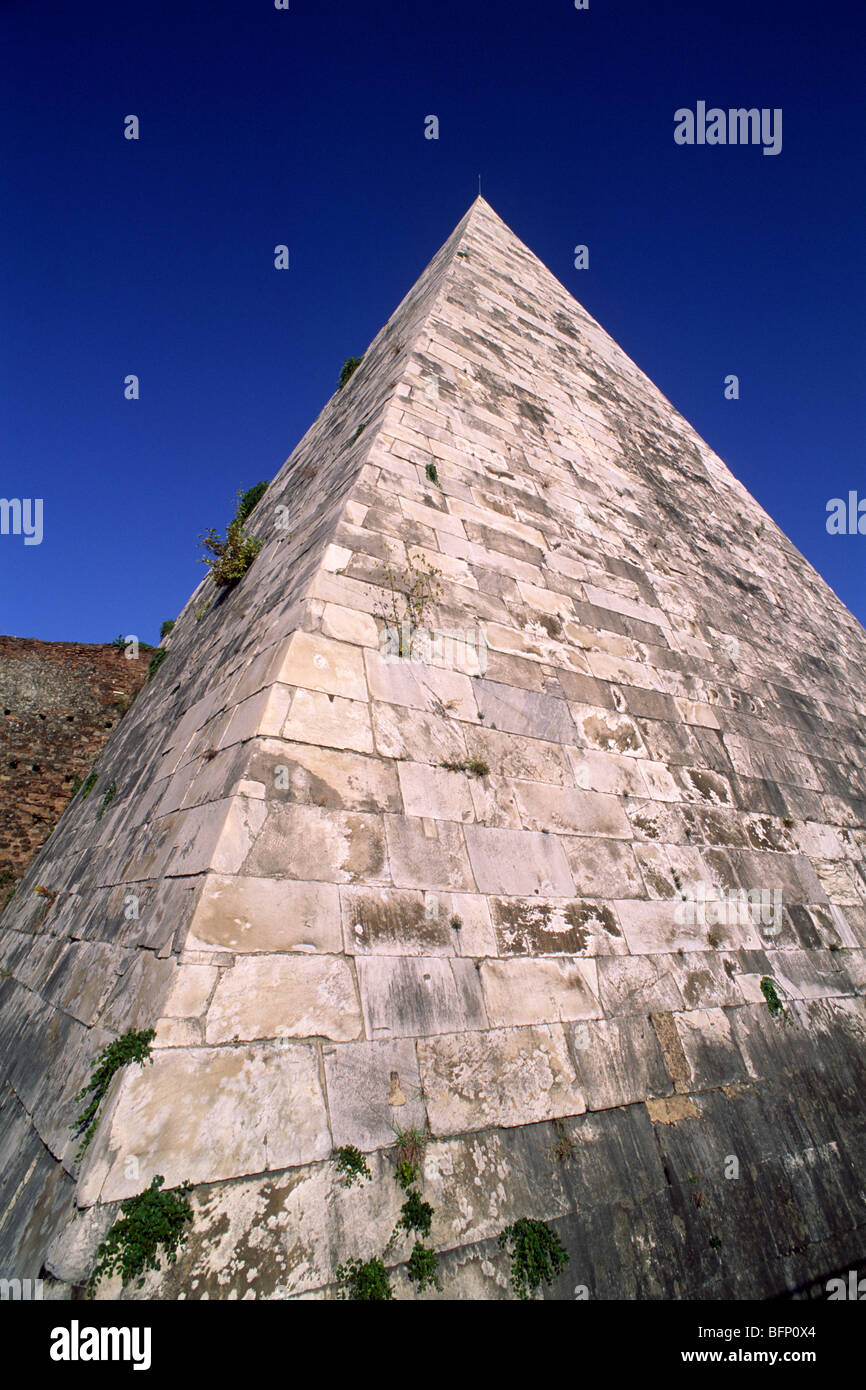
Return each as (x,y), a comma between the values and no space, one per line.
(59,702)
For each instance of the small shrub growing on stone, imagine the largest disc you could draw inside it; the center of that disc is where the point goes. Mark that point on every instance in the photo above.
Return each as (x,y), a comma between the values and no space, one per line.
(348,369)
(406,1173)
(87,785)
(537,1255)
(409,594)
(156,661)
(110,794)
(564,1148)
(229,559)
(363,1282)
(151,1221)
(411,1145)
(423,1267)
(166,628)
(774,1003)
(247,500)
(415,1215)
(476,767)
(351,1165)
(432,474)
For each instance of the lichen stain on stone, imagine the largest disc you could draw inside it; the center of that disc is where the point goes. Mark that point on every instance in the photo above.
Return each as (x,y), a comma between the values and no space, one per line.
(712,788)
(621,738)
(697,982)
(648,826)
(527,928)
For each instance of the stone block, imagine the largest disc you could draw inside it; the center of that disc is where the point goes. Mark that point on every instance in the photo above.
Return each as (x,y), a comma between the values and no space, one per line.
(328,721)
(338,779)
(292,996)
(404,996)
(554,926)
(523,991)
(349,625)
(564,811)
(421,686)
(202,1114)
(190,991)
(309,843)
(637,985)
(711,1054)
(241,915)
(524,712)
(619,1062)
(392,922)
(504,1077)
(320,663)
(374,1089)
(427,854)
(435,793)
(517,862)
(603,868)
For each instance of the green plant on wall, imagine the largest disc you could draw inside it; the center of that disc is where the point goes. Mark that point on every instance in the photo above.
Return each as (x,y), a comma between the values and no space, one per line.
(129,1047)
(423,1267)
(774,1003)
(156,661)
(110,794)
(363,1282)
(415,1215)
(247,500)
(351,1165)
(406,1173)
(409,1147)
(87,785)
(476,767)
(537,1255)
(409,594)
(348,370)
(152,1221)
(229,558)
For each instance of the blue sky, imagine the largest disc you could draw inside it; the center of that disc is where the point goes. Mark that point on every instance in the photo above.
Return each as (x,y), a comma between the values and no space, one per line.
(306,127)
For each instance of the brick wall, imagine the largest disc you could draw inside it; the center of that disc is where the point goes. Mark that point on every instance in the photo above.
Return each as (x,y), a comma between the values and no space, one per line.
(59,702)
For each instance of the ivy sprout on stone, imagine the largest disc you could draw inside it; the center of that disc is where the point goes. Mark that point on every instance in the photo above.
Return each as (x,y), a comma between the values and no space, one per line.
(151,1221)
(110,794)
(363,1282)
(348,369)
(129,1047)
(423,1267)
(351,1165)
(537,1255)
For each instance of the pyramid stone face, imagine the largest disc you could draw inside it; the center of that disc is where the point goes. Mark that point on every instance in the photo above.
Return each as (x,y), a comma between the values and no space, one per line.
(651,696)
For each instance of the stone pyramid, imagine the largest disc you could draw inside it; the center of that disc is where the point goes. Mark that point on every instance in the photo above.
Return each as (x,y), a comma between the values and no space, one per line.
(578,888)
